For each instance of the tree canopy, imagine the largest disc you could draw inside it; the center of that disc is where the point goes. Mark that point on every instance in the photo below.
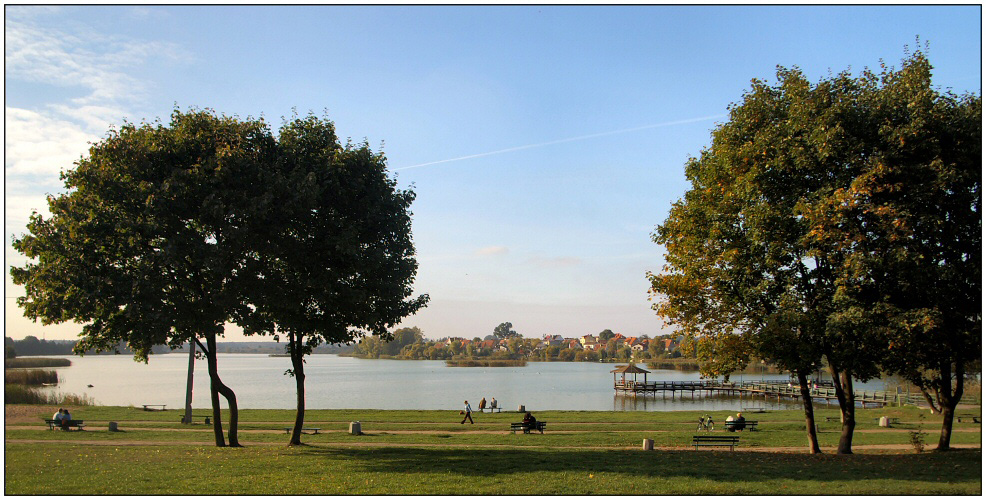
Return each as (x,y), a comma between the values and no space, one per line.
(781,246)
(505,331)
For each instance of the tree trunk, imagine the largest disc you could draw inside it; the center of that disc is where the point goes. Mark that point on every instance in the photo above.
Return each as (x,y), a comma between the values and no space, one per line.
(847,404)
(813,447)
(931,402)
(218,387)
(212,364)
(298,366)
(948,400)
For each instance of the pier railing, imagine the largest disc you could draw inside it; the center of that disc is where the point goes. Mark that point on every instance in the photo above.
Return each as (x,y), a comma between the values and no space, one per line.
(767,389)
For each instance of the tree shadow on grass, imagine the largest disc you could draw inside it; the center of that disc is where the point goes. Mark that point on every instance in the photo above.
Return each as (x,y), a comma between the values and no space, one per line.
(956,466)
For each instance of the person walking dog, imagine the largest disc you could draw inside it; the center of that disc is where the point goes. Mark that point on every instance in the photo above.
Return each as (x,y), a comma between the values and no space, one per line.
(468,412)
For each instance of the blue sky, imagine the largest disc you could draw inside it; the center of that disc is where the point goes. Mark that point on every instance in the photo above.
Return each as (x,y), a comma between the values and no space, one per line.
(568,126)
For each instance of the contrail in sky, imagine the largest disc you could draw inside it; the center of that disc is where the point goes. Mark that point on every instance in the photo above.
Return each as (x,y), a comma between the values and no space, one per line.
(559,141)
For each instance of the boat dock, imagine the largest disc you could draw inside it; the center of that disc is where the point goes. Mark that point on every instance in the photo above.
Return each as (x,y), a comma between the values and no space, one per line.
(765,389)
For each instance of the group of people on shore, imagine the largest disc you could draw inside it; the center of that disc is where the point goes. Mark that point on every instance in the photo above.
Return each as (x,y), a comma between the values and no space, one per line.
(62,417)
(467,410)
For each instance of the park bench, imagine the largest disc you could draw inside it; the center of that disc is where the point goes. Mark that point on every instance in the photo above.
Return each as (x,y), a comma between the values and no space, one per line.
(151,407)
(521,426)
(975,420)
(52,423)
(303,429)
(890,420)
(748,424)
(491,409)
(181,418)
(710,440)
(755,409)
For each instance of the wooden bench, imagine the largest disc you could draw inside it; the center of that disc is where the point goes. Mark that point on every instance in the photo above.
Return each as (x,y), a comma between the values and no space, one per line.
(833,419)
(491,409)
(52,423)
(747,424)
(194,416)
(287,430)
(521,426)
(757,409)
(975,420)
(708,440)
(150,407)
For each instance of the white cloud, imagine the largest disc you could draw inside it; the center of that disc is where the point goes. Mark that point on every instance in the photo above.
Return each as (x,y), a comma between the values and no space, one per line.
(494,250)
(41,146)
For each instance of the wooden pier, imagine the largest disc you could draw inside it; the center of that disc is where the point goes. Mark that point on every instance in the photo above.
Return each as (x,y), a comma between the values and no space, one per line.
(753,389)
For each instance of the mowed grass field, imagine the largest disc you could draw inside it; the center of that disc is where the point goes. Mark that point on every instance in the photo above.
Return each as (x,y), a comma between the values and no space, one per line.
(429,452)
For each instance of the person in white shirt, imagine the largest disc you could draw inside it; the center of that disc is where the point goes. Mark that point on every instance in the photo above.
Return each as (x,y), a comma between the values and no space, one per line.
(468,411)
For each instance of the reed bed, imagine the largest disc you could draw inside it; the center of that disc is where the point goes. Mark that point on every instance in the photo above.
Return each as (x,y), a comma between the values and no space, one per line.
(35,362)
(30,377)
(494,363)
(21,394)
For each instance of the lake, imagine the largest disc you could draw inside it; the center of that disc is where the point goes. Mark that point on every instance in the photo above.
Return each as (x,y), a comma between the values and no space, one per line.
(343,382)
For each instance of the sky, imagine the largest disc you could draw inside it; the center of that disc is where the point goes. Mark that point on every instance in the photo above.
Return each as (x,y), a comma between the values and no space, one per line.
(544,143)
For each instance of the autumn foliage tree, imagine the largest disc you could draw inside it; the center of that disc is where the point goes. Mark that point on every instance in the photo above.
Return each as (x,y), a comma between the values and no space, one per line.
(798,240)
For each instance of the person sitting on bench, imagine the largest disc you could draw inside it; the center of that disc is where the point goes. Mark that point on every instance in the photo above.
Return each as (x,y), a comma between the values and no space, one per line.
(482,405)
(65,418)
(492,404)
(530,423)
(739,423)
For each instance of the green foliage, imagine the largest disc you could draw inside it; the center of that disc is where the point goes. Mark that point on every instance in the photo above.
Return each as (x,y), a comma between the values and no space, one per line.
(339,262)
(505,331)
(146,244)
(839,219)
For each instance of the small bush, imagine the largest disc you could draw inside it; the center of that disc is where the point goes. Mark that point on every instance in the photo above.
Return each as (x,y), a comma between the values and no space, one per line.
(30,377)
(35,362)
(21,394)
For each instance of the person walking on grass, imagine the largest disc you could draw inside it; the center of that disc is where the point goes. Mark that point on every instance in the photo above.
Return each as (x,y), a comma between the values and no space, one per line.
(468,411)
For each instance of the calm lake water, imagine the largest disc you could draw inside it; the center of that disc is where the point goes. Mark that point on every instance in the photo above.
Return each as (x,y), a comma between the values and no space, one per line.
(342,382)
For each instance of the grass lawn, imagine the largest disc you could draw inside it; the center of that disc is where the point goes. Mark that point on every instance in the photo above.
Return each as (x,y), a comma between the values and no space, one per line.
(428,452)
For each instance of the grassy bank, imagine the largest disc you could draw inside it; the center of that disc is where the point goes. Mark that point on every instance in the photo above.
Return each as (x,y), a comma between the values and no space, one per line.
(429,452)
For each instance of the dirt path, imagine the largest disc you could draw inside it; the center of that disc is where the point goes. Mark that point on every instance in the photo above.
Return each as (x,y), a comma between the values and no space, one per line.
(204,429)
(827,449)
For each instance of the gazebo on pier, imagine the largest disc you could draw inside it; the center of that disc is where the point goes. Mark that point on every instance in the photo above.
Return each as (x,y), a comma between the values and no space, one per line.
(623,383)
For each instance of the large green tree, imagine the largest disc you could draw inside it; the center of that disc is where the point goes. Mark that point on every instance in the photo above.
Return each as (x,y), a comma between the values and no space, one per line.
(912,222)
(505,331)
(758,256)
(149,243)
(340,262)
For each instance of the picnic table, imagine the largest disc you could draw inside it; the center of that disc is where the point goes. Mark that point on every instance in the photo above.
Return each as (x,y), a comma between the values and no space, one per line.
(52,423)
(151,407)
(715,440)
